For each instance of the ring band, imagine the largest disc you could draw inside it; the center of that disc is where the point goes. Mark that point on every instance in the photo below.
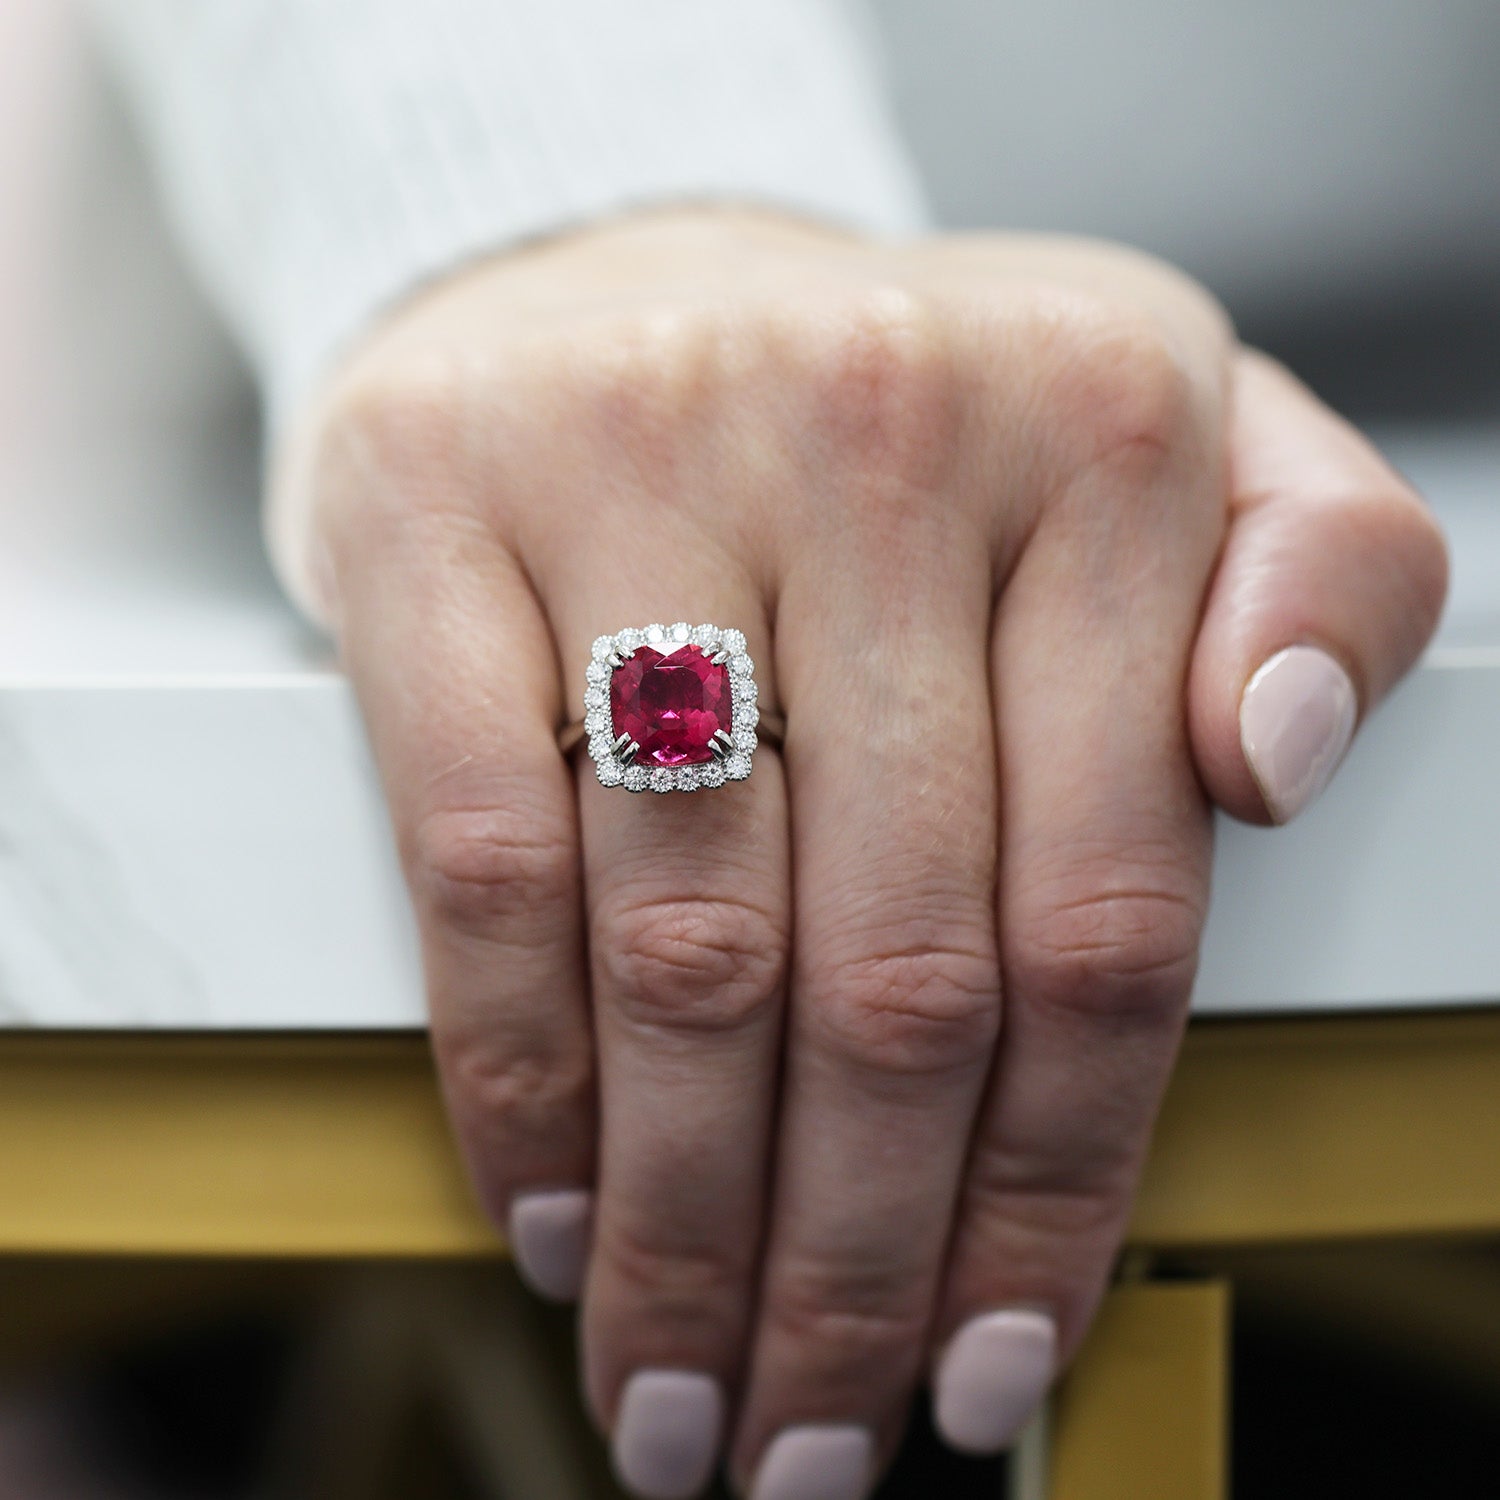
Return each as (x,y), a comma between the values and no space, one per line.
(671,708)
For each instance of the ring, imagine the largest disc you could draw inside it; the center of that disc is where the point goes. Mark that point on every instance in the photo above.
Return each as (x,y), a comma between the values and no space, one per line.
(671,708)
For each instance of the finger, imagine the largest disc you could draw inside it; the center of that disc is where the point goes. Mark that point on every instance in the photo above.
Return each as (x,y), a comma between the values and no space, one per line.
(1330,585)
(689,911)
(1103,885)
(454,669)
(895,996)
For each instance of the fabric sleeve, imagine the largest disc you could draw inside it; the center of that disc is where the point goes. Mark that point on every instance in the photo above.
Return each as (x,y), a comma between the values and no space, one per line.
(321,158)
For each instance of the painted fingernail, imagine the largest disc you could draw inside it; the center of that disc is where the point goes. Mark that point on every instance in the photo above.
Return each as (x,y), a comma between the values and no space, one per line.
(666,1438)
(1296,720)
(993,1375)
(549,1237)
(816,1462)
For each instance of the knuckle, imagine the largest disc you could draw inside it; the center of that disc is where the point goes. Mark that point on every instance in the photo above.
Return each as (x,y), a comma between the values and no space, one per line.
(700,965)
(1055,1239)
(476,868)
(858,1311)
(1108,943)
(927,1011)
(388,443)
(883,389)
(680,1278)
(512,1088)
(1043,1200)
(1124,394)
(640,381)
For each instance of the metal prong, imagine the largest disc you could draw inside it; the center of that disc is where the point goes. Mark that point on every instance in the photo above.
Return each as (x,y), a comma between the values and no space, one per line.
(618,748)
(719,657)
(725,741)
(615,659)
(629,753)
(716,750)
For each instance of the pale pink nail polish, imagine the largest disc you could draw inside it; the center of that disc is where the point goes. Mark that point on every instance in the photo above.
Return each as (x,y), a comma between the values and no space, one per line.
(666,1438)
(816,1462)
(991,1378)
(549,1237)
(1296,720)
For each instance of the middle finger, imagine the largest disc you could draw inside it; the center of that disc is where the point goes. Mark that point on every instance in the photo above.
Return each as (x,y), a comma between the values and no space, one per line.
(895,992)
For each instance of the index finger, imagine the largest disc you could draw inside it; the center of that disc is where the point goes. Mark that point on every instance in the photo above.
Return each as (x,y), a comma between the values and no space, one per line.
(455,671)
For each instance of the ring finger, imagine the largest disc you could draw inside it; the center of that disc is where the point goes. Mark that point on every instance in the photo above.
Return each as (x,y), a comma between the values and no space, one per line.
(688,902)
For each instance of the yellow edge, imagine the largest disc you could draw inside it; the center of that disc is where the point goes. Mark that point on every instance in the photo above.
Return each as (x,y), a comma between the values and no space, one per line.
(228,1145)
(236,1145)
(1318,1129)
(1144,1412)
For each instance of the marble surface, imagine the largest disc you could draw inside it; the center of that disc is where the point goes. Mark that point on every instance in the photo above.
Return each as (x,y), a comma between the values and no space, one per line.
(199,853)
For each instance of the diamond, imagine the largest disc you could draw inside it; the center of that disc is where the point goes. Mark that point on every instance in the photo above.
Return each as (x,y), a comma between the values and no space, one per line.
(611,772)
(670,705)
(662,779)
(602,647)
(737,767)
(596,671)
(733,641)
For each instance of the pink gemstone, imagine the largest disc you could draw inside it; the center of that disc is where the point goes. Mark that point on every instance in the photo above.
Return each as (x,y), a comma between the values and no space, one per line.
(671,706)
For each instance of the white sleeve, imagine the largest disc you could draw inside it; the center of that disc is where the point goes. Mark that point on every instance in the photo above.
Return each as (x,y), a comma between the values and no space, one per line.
(323,157)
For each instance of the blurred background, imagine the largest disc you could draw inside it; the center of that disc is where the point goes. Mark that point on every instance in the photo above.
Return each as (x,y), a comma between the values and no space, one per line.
(1331,170)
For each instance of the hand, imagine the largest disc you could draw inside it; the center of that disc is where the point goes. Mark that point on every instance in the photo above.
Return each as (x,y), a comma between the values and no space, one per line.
(1010,524)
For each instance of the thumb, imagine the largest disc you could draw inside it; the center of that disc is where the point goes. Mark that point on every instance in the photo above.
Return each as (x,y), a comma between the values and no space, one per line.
(1330,584)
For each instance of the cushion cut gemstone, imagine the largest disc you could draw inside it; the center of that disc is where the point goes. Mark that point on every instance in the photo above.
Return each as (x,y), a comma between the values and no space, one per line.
(671,705)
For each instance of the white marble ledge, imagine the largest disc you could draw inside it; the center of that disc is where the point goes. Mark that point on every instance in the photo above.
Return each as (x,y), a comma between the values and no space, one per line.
(215,855)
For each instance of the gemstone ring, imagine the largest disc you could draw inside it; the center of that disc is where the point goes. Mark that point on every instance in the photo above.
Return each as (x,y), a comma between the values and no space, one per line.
(671,708)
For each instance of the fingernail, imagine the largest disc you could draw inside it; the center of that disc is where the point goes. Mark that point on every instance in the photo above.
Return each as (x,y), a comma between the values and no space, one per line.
(993,1375)
(549,1238)
(816,1462)
(666,1438)
(1296,720)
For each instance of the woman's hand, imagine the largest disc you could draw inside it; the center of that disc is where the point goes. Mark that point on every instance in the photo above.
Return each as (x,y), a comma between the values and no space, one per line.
(841,1078)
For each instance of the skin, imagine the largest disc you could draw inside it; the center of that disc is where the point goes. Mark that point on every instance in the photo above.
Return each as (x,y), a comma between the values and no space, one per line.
(873,1042)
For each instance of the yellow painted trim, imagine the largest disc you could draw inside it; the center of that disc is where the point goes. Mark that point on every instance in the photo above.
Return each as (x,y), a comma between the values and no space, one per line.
(1330,1128)
(228,1145)
(295,1145)
(1144,1412)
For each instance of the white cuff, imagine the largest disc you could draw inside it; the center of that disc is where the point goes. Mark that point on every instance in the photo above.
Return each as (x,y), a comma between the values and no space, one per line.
(323,157)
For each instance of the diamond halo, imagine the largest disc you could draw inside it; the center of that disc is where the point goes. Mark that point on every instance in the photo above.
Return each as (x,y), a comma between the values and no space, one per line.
(615,757)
